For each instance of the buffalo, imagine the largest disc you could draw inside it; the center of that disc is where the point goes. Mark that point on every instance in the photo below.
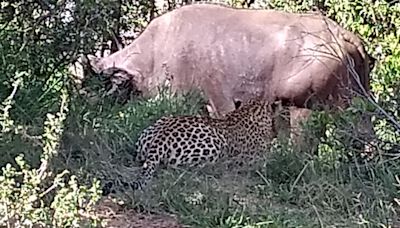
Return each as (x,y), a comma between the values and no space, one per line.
(305,60)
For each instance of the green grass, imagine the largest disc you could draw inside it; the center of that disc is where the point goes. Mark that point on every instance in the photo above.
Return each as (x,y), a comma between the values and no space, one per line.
(286,188)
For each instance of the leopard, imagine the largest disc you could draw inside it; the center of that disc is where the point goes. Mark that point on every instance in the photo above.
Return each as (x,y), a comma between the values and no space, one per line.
(197,140)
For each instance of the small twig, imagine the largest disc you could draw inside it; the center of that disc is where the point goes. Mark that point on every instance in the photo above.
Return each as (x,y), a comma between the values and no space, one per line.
(319,216)
(263,177)
(48,190)
(369,96)
(42,168)
(35,139)
(298,178)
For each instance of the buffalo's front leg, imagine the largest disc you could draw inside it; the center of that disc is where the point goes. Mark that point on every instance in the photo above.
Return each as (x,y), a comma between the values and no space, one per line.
(297,116)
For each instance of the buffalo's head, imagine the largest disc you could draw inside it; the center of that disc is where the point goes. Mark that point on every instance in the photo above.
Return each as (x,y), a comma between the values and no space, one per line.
(111,82)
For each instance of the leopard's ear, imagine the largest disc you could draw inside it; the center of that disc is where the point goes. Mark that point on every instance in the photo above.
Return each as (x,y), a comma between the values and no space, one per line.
(247,102)
(276,105)
(238,104)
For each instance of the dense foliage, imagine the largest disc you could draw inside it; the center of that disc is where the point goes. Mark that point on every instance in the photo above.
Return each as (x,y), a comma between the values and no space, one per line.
(55,143)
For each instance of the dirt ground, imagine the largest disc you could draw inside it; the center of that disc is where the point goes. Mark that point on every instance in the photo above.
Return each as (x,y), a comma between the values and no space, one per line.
(115,215)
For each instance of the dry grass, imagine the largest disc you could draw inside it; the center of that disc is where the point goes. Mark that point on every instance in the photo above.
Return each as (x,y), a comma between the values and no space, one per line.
(115,215)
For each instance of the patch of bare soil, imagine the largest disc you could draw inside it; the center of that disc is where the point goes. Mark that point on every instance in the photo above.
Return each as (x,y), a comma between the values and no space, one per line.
(116,215)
